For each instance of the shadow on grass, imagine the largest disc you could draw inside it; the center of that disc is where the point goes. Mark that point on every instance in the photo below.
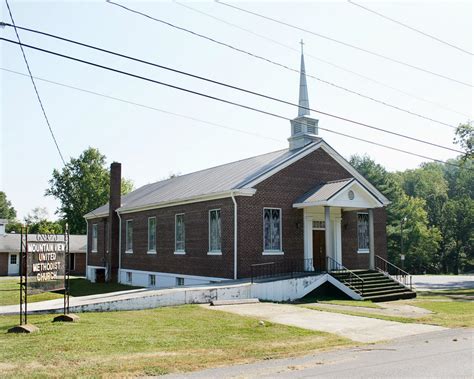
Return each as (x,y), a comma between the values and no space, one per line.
(83,287)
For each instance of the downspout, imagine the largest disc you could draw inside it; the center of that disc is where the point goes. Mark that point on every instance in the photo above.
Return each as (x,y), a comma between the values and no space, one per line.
(87,249)
(120,248)
(235,234)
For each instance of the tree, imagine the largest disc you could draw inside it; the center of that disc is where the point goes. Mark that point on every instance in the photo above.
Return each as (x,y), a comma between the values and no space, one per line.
(465,138)
(82,186)
(6,209)
(38,222)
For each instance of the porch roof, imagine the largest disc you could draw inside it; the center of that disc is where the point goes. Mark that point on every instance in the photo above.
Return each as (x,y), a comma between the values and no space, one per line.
(332,194)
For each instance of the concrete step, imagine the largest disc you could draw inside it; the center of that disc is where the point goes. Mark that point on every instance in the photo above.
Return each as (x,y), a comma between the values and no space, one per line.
(390,297)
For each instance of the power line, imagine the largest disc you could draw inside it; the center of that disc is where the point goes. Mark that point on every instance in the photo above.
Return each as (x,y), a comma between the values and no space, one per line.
(321,60)
(342,43)
(34,84)
(186,90)
(410,27)
(143,105)
(241,89)
(284,66)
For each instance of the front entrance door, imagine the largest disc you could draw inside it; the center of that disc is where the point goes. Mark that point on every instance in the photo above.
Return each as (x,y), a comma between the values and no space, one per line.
(319,250)
(13,264)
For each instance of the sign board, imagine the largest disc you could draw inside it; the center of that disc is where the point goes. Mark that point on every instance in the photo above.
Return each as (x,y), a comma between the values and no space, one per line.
(46,263)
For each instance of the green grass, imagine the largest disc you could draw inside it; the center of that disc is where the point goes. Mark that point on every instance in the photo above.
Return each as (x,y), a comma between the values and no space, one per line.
(9,290)
(447,311)
(149,342)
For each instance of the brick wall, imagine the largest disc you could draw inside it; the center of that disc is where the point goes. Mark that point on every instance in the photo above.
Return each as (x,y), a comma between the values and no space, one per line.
(4,264)
(195,261)
(98,258)
(350,257)
(280,191)
(80,264)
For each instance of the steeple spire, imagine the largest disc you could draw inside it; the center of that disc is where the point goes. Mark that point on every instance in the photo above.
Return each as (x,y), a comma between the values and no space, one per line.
(303,99)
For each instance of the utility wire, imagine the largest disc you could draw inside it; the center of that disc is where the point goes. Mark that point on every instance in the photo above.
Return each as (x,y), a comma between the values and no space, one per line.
(410,27)
(285,66)
(34,85)
(321,60)
(186,90)
(143,106)
(241,89)
(341,43)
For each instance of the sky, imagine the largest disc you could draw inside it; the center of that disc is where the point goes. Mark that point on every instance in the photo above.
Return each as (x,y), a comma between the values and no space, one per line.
(152,144)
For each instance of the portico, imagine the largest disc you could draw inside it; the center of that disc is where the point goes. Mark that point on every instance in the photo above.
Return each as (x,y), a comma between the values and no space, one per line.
(323,209)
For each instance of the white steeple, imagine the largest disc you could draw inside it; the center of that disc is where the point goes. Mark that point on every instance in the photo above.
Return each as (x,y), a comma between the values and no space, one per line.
(304,129)
(303,99)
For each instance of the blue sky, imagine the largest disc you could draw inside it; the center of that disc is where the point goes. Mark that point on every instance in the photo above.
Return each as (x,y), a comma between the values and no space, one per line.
(151,145)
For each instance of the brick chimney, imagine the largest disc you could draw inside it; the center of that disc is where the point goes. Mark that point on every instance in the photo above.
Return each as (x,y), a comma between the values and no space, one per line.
(113,224)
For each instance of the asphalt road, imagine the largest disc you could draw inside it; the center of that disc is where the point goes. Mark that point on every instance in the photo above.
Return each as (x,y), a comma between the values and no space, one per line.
(442,354)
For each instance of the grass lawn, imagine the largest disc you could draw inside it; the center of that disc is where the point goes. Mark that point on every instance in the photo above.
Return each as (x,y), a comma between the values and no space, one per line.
(9,290)
(149,342)
(448,310)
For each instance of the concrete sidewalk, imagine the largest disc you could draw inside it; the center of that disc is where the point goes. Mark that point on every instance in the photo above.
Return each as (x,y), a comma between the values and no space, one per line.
(442,282)
(360,329)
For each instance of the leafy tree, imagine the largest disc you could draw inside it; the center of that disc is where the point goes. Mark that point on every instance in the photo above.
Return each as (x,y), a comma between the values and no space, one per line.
(82,186)
(6,209)
(465,138)
(38,222)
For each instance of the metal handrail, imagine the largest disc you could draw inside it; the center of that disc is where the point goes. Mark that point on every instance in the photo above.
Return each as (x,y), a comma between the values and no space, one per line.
(340,267)
(284,267)
(400,273)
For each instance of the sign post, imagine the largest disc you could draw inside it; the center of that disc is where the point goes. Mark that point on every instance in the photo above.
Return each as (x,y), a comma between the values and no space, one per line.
(44,267)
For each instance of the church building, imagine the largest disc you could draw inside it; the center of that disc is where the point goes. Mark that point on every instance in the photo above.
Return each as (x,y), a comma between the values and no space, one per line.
(304,206)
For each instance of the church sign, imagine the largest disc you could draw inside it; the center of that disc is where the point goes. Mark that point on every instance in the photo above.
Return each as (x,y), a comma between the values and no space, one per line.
(46,267)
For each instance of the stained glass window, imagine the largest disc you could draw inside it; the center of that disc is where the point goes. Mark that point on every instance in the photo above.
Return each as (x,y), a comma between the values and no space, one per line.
(179,233)
(152,234)
(129,235)
(94,237)
(215,230)
(363,231)
(272,229)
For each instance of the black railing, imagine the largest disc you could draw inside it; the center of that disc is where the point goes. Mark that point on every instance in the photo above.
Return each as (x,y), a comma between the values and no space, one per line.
(393,271)
(350,277)
(284,268)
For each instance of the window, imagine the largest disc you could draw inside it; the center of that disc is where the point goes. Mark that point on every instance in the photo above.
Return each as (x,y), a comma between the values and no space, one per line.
(94,238)
(363,231)
(129,236)
(272,229)
(319,225)
(152,280)
(179,233)
(129,277)
(215,231)
(13,259)
(152,234)
(180,281)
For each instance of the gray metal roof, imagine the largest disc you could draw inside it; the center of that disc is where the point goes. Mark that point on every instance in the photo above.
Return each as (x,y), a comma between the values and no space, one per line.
(10,243)
(324,192)
(227,177)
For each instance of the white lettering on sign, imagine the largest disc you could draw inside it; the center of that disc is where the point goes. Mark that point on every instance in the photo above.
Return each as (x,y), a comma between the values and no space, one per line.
(48,259)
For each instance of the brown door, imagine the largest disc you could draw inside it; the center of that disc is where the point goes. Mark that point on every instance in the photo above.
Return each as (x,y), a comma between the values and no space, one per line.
(319,250)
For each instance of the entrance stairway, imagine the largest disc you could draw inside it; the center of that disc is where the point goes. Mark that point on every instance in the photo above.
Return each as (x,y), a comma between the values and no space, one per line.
(373,285)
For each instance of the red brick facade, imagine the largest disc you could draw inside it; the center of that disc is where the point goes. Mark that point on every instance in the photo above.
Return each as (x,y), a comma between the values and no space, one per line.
(279,190)
(4,264)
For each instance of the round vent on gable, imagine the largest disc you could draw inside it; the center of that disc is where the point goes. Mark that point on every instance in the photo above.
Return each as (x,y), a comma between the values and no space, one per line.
(351,195)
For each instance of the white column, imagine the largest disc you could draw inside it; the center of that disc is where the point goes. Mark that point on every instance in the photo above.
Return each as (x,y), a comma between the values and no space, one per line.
(328,232)
(308,241)
(338,239)
(371,240)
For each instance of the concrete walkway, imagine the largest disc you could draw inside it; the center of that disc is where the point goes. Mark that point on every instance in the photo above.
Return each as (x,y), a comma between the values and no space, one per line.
(360,329)
(393,308)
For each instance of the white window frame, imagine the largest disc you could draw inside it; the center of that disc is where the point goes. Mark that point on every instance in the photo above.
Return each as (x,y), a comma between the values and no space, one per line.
(211,251)
(94,239)
(178,281)
(176,251)
(16,259)
(128,251)
(151,251)
(273,252)
(367,250)
(152,280)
